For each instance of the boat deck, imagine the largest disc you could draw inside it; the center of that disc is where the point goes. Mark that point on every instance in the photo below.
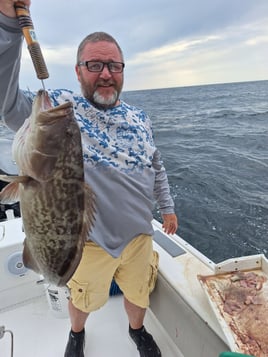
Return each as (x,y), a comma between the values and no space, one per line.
(180,317)
(37,332)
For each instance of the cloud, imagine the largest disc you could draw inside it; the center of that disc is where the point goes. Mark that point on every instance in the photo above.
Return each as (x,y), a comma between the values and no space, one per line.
(166,43)
(257,41)
(170,51)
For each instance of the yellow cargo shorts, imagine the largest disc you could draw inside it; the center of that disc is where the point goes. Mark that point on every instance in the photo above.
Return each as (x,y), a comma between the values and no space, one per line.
(135,272)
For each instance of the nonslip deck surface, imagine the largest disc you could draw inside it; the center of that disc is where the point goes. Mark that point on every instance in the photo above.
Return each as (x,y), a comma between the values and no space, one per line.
(37,333)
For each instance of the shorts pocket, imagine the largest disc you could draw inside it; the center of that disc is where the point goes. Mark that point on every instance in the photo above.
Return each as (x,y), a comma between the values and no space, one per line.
(154,271)
(79,294)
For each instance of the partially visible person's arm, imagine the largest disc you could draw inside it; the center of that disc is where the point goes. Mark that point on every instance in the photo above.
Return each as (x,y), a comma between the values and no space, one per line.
(14,105)
(163,197)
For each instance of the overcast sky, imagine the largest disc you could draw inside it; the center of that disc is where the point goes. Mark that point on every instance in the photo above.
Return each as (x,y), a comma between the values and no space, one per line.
(166,43)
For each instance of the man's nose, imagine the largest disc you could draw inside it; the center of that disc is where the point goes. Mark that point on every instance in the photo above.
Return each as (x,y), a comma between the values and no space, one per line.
(105,73)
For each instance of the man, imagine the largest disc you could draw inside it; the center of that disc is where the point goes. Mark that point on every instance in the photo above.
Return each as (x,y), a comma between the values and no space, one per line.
(123,167)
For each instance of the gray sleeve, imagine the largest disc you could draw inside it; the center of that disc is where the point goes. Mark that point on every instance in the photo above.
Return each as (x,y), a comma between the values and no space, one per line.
(15,106)
(161,188)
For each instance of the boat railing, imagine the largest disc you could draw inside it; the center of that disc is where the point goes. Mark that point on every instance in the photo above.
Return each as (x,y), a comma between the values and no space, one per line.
(3,331)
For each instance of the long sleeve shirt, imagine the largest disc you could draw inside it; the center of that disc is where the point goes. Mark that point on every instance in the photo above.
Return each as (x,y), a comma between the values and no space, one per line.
(121,162)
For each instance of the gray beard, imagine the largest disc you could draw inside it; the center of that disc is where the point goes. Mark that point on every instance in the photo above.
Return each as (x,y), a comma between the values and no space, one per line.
(105,102)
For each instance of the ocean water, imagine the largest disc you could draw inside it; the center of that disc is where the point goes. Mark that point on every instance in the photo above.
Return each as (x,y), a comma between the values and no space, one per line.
(214,144)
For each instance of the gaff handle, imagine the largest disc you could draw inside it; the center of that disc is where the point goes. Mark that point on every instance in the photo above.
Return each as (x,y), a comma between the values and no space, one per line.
(26,24)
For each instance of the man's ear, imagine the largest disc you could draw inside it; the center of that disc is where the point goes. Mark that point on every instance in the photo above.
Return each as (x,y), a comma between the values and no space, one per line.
(77,71)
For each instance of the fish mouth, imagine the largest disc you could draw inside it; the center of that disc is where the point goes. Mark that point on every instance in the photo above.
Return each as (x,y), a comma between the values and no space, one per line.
(43,99)
(43,105)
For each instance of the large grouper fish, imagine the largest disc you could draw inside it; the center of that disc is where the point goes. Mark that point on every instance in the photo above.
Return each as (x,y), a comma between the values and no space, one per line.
(57,206)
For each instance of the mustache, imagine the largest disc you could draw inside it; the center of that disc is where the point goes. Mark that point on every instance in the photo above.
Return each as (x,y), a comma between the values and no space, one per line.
(105,83)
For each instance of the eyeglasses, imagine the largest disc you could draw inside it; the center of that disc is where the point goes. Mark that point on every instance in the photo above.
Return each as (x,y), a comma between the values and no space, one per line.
(97,66)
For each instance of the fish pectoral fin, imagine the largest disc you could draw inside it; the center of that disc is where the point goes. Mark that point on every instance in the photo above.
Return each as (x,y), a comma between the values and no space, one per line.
(15,178)
(10,193)
(7,178)
(27,258)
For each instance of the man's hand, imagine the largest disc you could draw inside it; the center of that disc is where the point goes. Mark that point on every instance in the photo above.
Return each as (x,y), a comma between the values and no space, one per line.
(170,223)
(7,7)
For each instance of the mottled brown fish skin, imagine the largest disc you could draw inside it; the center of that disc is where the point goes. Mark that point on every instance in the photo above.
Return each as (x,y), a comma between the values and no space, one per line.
(57,206)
